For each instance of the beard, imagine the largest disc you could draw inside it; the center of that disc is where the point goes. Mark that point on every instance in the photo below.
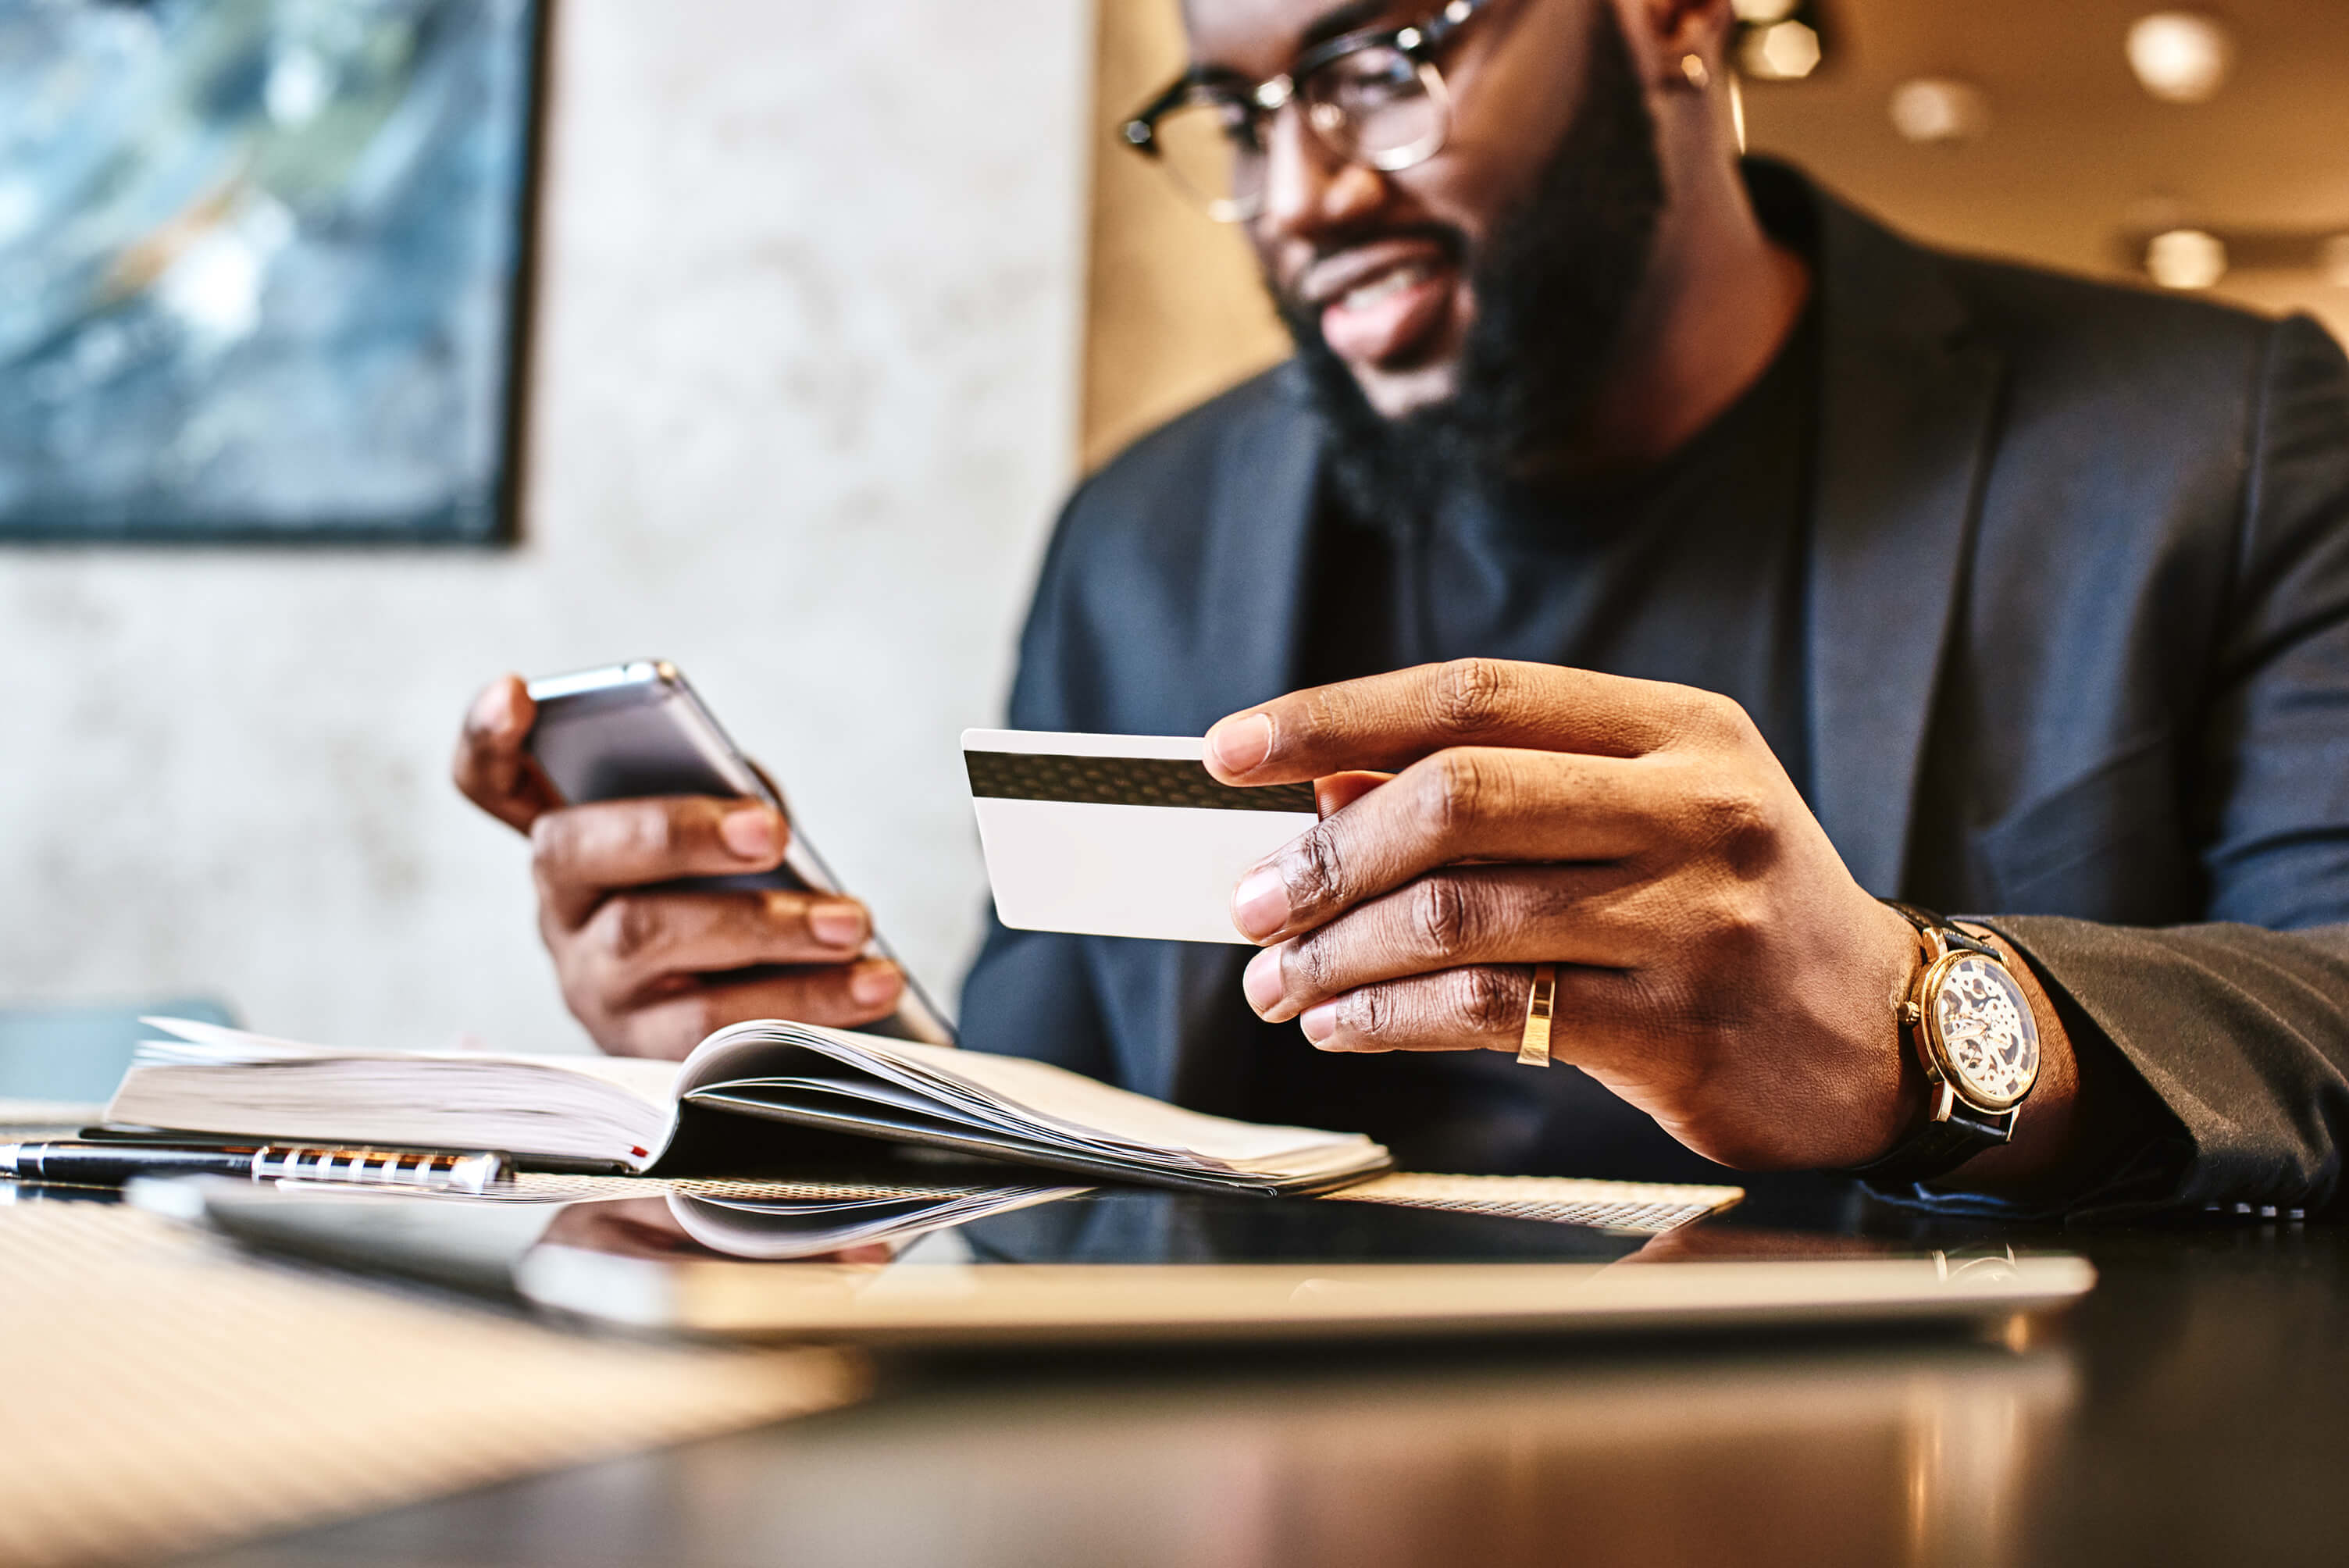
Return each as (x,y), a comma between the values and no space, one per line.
(1552,285)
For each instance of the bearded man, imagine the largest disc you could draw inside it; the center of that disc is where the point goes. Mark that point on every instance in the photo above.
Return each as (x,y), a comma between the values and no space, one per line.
(1664,564)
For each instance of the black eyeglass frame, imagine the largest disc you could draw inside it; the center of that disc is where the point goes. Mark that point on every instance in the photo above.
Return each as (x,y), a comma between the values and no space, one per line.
(1418,42)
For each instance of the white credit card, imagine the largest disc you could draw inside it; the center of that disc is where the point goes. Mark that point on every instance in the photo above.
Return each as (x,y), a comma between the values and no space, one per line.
(1120,835)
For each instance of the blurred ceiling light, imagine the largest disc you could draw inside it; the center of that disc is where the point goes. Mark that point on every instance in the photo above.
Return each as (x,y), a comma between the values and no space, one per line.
(2180,57)
(2333,260)
(1760,13)
(1781,52)
(1937,109)
(2185,259)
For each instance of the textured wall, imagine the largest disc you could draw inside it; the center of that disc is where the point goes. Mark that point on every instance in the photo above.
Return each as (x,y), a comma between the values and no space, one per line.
(804,383)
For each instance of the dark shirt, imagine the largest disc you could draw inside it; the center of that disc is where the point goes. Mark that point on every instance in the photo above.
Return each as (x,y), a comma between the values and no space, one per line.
(1691,572)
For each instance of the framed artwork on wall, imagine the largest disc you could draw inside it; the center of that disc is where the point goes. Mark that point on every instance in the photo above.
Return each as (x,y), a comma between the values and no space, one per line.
(263,268)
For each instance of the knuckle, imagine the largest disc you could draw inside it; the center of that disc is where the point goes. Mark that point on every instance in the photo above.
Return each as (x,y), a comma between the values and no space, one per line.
(552,840)
(1442,916)
(1371,1012)
(1309,967)
(1735,822)
(1714,718)
(628,928)
(1451,793)
(1491,1000)
(1468,694)
(1736,922)
(1319,869)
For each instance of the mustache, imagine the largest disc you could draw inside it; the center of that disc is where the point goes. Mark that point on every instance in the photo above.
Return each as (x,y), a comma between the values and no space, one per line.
(1446,238)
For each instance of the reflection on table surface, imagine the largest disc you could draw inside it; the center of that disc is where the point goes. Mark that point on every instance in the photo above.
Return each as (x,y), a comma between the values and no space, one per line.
(2191,1409)
(1626,1462)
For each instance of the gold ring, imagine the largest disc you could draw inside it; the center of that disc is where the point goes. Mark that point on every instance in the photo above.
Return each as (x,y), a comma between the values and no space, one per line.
(1541,1001)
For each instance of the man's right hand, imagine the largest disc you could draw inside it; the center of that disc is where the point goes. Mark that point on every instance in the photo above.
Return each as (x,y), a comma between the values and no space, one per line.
(651,970)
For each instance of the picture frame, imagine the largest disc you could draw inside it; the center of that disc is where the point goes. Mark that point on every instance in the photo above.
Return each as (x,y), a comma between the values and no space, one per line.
(264,269)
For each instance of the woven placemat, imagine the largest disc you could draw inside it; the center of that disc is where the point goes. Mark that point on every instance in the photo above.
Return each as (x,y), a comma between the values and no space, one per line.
(164,1393)
(1634,1208)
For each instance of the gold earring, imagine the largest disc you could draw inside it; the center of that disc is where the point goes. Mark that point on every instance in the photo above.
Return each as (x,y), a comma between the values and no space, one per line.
(1692,68)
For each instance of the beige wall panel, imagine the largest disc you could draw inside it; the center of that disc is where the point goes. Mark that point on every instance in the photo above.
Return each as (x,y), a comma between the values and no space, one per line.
(1174,310)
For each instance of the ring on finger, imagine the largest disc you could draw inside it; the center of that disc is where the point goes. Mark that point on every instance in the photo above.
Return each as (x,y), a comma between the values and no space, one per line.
(1541,1001)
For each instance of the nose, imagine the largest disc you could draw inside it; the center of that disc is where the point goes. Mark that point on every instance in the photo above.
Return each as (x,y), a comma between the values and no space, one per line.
(1310,190)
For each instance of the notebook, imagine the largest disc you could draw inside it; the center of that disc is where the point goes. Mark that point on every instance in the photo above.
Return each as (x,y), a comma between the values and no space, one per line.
(621,1113)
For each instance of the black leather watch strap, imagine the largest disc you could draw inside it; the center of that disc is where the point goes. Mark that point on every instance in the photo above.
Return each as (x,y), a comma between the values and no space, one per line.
(1939,1149)
(1928,924)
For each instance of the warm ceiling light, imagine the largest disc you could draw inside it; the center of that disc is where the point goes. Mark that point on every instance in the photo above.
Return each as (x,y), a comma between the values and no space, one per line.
(2185,259)
(1936,110)
(2179,57)
(1782,52)
(2333,260)
(1759,12)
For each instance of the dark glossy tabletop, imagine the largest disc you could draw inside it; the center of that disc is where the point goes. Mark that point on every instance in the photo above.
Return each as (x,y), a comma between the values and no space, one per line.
(2194,1408)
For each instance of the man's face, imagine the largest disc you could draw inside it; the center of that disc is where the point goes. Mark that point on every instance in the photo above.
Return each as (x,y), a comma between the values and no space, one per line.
(1381,263)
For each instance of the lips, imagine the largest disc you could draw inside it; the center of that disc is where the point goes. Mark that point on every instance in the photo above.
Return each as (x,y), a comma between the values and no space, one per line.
(1382,302)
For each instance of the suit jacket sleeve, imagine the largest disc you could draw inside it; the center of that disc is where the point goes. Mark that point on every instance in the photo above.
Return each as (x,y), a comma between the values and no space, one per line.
(1030,993)
(2241,1027)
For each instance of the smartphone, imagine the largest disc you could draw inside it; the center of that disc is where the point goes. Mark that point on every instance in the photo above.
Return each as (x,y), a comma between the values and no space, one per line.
(630,730)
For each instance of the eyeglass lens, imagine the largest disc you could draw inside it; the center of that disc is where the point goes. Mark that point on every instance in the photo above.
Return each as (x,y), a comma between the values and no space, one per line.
(1375,105)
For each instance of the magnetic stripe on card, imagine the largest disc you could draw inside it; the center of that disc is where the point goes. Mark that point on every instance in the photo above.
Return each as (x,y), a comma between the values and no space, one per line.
(1121,781)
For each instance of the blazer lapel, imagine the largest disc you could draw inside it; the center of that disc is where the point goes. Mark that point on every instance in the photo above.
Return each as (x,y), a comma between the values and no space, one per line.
(1907,408)
(1259,539)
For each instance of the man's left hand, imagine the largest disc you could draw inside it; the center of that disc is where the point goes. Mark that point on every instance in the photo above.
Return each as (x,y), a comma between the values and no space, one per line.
(1717,965)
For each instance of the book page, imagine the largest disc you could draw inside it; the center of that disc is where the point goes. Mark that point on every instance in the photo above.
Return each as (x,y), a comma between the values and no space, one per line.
(1078,1106)
(620,1110)
(650,1079)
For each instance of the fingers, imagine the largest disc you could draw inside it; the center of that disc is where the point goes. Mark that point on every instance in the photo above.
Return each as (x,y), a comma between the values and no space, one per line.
(634,941)
(839,996)
(1479,1007)
(1597,915)
(492,767)
(1465,804)
(1390,721)
(583,852)
(1339,790)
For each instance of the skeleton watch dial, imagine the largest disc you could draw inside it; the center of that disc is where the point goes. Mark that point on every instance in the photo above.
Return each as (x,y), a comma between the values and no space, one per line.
(1982,1029)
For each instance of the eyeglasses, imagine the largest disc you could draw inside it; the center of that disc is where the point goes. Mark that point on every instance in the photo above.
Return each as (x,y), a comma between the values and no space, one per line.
(1373,98)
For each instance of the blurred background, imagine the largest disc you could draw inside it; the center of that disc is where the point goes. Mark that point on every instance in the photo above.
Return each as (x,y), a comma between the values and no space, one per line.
(818,311)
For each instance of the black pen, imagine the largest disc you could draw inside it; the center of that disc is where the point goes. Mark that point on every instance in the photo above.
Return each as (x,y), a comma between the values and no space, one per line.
(112,1164)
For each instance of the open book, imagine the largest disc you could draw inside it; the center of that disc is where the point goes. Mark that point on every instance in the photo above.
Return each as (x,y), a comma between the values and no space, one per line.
(621,1113)
(829,1221)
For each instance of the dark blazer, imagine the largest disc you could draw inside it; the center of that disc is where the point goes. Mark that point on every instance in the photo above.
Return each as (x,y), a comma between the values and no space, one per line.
(2078,659)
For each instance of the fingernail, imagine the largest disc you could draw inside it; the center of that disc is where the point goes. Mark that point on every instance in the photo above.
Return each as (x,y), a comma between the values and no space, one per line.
(1261,983)
(837,924)
(1260,903)
(748,833)
(493,710)
(1319,1022)
(1242,744)
(873,982)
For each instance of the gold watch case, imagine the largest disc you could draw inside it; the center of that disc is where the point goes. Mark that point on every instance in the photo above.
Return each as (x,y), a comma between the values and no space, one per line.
(1974,1033)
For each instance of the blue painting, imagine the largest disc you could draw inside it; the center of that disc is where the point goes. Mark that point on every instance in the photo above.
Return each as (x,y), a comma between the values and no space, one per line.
(261,267)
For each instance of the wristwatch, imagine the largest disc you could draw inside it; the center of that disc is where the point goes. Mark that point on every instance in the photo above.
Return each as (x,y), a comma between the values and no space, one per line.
(1969,1020)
